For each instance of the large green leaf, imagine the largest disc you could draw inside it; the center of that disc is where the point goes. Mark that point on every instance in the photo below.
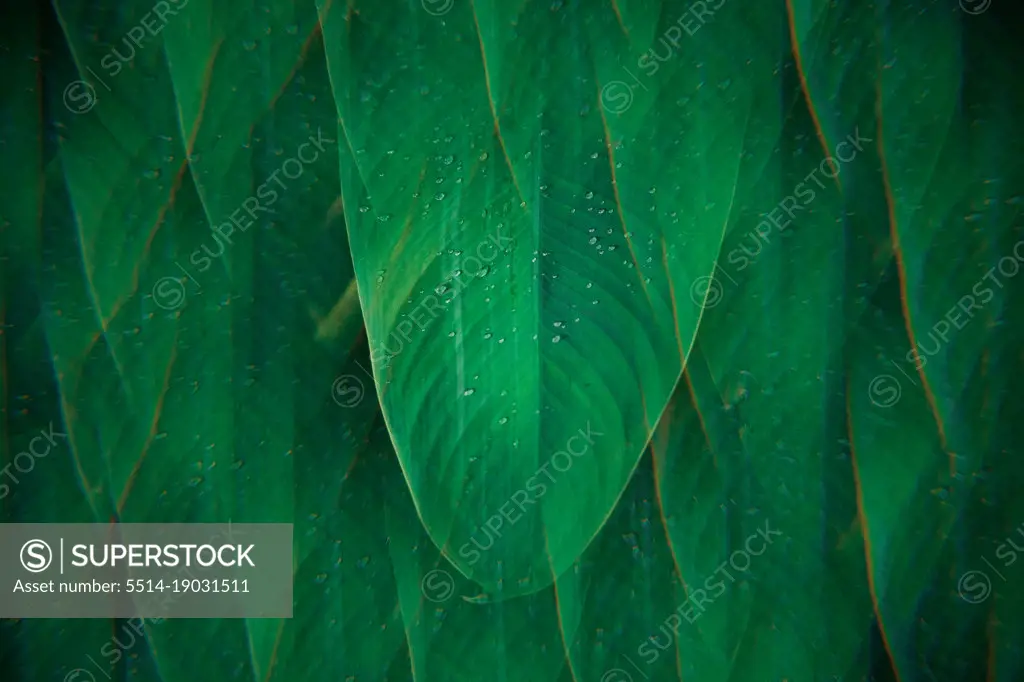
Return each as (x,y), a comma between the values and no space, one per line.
(525,246)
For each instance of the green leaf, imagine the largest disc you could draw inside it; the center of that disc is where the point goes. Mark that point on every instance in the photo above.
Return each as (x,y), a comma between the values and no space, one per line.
(525,250)
(935,396)
(193,369)
(452,633)
(622,591)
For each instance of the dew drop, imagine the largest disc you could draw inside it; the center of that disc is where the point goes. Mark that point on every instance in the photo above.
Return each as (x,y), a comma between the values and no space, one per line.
(469,391)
